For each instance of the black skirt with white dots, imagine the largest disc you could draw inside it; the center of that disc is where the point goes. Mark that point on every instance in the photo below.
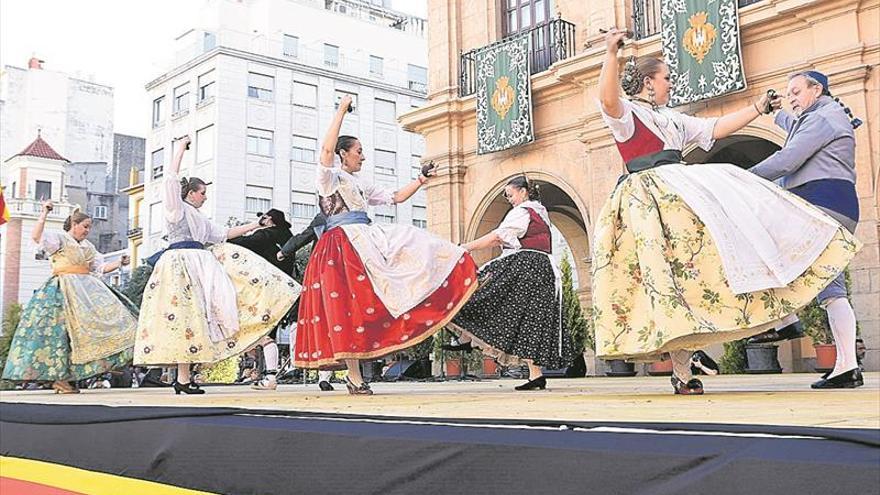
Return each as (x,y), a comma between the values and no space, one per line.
(514,314)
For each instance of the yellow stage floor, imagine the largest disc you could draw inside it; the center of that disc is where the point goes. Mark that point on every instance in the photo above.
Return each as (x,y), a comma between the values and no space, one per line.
(784,399)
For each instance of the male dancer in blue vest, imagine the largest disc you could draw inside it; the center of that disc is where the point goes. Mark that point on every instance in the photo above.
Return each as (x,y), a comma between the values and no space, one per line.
(817,163)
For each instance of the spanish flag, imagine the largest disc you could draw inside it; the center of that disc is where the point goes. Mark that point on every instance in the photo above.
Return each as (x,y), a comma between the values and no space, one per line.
(4,212)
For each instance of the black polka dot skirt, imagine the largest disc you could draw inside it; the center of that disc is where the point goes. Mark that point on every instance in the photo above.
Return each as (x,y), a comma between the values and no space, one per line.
(514,314)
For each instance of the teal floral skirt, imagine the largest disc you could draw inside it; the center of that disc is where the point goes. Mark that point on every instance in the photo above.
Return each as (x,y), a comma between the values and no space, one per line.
(40,349)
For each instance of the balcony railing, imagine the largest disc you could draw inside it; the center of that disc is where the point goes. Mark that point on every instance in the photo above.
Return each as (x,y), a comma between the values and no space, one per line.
(33,208)
(646,16)
(550,43)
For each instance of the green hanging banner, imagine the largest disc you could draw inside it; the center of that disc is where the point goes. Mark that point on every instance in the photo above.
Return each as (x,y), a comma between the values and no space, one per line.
(504,96)
(701,46)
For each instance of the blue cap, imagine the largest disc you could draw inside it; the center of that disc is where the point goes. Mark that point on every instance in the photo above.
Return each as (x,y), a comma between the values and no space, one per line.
(819,77)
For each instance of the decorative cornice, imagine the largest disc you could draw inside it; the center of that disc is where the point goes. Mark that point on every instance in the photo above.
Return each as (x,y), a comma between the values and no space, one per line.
(284,64)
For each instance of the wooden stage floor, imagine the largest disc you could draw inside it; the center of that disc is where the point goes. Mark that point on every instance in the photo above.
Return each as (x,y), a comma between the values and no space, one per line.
(784,399)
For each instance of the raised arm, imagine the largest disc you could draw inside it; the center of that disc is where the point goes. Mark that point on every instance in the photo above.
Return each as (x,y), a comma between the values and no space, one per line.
(124,260)
(182,145)
(405,192)
(328,148)
(732,122)
(37,233)
(609,87)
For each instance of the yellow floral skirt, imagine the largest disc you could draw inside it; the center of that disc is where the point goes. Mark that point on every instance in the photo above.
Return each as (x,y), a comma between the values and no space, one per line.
(173,323)
(659,284)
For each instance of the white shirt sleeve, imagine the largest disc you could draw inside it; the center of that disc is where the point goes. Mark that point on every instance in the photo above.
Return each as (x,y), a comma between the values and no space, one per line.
(698,130)
(204,230)
(621,128)
(327,180)
(377,195)
(51,242)
(173,203)
(514,226)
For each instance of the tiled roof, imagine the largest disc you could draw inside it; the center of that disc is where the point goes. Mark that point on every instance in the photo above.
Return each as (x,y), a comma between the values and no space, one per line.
(41,149)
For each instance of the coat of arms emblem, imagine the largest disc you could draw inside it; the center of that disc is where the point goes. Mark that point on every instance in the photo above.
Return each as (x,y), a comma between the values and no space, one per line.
(503,96)
(698,39)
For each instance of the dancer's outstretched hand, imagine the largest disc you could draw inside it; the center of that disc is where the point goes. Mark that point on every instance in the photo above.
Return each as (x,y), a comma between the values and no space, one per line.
(183,143)
(429,169)
(280,256)
(614,39)
(344,103)
(769,102)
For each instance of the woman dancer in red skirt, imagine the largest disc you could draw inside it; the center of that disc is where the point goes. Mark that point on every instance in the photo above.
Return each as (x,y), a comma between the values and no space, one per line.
(372,289)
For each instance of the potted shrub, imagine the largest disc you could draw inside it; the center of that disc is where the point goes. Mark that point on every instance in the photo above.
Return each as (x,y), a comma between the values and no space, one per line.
(451,362)
(733,361)
(579,322)
(10,324)
(589,341)
(815,322)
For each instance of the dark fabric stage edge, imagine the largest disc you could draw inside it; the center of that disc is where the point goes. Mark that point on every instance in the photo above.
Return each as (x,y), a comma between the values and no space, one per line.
(240,451)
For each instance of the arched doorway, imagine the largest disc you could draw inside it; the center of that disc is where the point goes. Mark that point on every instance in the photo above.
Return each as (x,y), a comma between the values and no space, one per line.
(570,225)
(742,150)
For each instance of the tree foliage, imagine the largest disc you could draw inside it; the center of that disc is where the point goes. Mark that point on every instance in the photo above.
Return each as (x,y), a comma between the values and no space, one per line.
(575,319)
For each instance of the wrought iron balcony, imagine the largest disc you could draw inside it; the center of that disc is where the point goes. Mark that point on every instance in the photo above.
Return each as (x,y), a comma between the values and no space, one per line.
(646,16)
(550,43)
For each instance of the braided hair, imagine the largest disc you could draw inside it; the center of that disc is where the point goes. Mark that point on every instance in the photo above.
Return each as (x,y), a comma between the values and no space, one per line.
(854,121)
(190,185)
(636,70)
(521,182)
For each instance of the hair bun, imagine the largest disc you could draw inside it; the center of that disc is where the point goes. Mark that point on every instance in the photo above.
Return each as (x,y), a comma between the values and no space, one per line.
(631,80)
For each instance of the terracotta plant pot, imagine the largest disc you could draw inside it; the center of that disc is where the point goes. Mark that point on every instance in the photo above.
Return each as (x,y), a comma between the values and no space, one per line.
(826,355)
(453,367)
(660,368)
(490,367)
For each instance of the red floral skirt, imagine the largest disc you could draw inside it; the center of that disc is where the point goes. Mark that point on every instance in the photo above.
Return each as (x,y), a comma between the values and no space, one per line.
(340,316)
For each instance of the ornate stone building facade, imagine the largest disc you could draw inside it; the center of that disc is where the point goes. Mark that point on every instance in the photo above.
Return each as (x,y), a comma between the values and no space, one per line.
(574,155)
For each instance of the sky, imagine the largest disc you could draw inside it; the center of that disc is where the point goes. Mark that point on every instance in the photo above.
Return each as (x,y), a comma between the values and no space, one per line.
(120,43)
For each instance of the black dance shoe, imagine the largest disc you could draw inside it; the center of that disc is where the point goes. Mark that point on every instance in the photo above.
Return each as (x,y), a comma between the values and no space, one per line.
(189,388)
(325,386)
(849,379)
(692,387)
(701,362)
(788,332)
(466,347)
(537,383)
